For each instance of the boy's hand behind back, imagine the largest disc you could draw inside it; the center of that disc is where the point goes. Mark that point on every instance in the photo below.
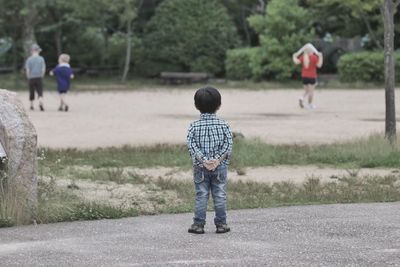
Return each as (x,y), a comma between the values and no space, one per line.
(211,164)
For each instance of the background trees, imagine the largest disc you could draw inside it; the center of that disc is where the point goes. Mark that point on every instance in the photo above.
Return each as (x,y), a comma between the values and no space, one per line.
(187,35)
(191,35)
(282,30)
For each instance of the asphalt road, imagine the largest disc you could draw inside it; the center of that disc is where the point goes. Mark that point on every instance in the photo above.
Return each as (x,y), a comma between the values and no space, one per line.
(327,235)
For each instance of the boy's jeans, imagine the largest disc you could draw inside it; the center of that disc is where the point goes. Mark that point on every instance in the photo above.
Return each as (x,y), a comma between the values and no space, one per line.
(206,181)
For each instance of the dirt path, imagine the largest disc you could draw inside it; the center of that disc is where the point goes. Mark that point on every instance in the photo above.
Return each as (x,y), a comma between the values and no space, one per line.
(139,192)
(272,174)
(162,116)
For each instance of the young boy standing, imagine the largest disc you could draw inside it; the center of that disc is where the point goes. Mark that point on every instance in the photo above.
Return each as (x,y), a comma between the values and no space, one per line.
(209,141)
(64,74)
(35,69)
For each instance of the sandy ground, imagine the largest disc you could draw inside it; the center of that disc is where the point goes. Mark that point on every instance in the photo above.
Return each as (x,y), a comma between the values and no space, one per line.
(146,197)
(272,174)
(162,116)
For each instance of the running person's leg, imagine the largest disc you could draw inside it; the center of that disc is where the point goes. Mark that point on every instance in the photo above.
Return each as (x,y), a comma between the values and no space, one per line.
(36,85)
(39,90)
(63,97)
(60,94)
(311,94)
(31,85)
(305,95)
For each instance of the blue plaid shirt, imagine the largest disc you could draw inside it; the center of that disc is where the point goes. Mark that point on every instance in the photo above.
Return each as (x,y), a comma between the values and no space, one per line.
(209,138)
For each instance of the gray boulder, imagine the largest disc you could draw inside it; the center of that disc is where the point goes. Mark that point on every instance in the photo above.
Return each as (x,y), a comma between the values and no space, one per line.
(19,140)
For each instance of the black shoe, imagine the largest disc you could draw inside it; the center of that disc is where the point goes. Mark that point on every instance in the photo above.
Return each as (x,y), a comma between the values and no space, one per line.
(222,228)
(66,108)
(41,107)
(196,229)
(60,108)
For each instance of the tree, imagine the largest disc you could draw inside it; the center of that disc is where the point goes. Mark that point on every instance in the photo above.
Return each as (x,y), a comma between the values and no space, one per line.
(240,10)
(11,23)
(190,35)
(283,30)
(363,10)
(30,14)
(388,9)
(128,15)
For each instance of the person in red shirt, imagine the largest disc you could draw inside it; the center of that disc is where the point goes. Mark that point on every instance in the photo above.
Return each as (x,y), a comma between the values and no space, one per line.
(310,59)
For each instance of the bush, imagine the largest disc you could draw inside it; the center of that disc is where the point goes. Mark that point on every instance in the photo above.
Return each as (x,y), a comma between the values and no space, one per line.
(365,66)
(285,27)
(238,63)
(192,35)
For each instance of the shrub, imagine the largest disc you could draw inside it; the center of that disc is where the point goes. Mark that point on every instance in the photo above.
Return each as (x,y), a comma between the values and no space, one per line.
(365,66)
(283,30)
(239,63)
(193,35)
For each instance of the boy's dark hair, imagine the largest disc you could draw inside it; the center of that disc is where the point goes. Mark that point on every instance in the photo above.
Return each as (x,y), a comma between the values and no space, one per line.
(207,100)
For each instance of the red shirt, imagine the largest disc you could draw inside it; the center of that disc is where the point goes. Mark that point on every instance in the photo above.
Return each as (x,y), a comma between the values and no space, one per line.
(311,71)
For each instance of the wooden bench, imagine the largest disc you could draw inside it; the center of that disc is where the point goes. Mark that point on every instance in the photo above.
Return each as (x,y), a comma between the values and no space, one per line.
(183,77)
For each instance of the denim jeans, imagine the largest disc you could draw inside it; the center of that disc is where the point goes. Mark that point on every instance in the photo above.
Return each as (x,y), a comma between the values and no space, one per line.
(206,181)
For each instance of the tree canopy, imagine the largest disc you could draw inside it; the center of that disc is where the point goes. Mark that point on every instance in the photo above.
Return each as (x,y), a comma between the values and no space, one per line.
(182,35)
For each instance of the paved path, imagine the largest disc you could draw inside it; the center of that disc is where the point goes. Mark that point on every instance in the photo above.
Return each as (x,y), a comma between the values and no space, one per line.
(327,235)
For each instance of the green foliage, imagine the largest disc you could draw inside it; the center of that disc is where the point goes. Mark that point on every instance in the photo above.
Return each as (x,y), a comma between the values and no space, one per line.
(192,35)
(350,18)
(364,66)
(239,63)
(356,6)
(283,30)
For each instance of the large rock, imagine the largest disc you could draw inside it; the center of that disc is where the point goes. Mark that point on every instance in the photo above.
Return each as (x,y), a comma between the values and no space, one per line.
(19,139)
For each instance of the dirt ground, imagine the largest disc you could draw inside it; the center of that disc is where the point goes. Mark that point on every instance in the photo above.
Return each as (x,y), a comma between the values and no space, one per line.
(144,117)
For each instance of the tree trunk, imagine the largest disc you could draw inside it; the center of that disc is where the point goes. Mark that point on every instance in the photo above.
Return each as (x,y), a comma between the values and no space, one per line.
(30,19)
(15,61)
(128,50)
(58,40)
(390,121)
(245,26)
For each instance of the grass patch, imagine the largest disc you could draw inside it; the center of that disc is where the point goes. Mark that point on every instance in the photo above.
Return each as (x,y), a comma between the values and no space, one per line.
(370,152)
(57,205)
(109,83)
(248,195)
(111,168)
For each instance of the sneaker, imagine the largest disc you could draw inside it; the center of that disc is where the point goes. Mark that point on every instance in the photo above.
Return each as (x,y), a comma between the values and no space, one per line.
(66,108)
(312,106)
(60,108)
(196,229)
(41,107)
(32,108)
(301,104)
(222,228)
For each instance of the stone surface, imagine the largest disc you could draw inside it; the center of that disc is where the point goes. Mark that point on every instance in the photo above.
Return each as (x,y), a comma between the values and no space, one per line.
(19,139)
(325,235)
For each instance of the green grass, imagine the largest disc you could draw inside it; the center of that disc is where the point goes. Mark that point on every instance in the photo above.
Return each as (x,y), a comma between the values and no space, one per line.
(57,205)
(112,165)
(109,83)
(370,152)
